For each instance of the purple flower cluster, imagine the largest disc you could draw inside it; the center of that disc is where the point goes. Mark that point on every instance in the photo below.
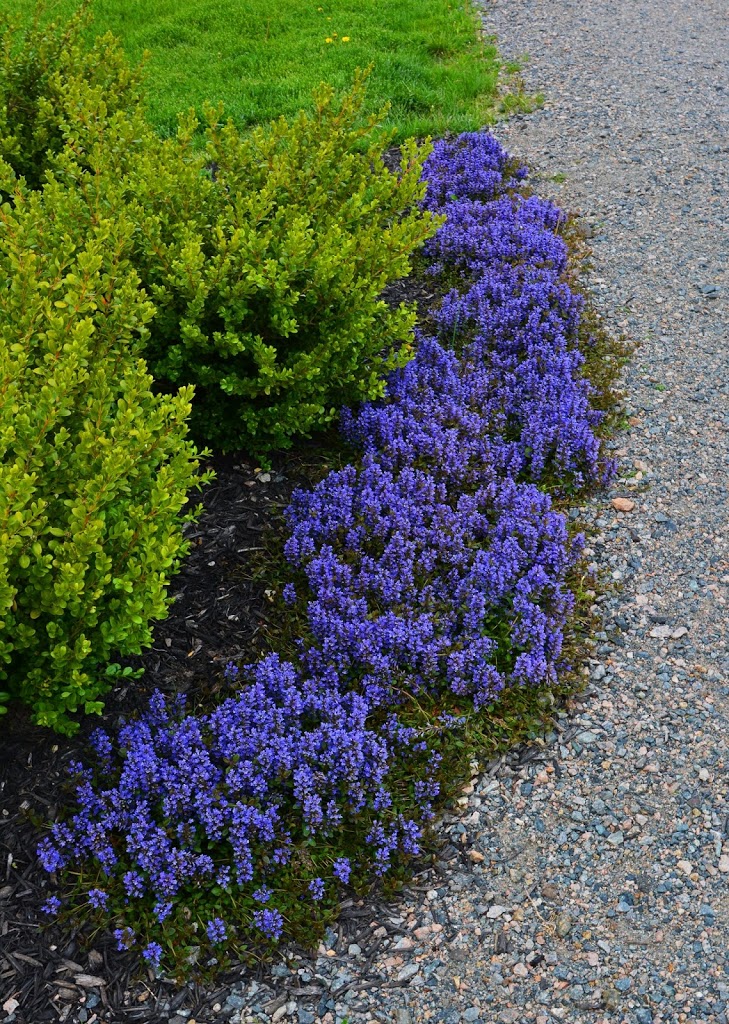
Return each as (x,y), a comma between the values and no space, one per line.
(497,386)
(232,778)
(412,582)
(434,570)
(472,166)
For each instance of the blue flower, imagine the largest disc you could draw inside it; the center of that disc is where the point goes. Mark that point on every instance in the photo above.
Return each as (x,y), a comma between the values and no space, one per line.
(270,922)
(152,953)
(316,888)
(133,883)
(217,931)
(98,899)
(51,906)
(342,869)
(125,938)
(163,910)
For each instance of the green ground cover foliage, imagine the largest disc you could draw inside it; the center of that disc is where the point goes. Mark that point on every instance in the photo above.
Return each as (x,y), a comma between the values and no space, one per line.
(263,58)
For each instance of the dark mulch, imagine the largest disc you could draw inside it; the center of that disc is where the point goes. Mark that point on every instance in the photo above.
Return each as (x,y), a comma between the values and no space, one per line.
(220,613)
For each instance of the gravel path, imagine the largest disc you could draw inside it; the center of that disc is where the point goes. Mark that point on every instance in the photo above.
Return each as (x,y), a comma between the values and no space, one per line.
(588,878)
(590,882)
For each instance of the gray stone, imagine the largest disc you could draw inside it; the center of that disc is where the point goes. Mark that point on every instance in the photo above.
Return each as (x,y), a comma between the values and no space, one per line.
(586,738)
(234,1001)
(408,972)
(342,977)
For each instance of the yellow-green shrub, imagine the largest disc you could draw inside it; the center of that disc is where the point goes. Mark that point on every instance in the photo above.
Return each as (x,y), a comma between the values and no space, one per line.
(94,468)
(36,66)
(268,293)
(265,254)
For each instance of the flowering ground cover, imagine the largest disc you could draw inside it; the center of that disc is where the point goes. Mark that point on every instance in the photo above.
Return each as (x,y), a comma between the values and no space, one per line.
(430,578)
(263,58)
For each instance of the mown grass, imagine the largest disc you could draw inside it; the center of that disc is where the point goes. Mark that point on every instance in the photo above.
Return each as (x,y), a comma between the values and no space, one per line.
(262,58)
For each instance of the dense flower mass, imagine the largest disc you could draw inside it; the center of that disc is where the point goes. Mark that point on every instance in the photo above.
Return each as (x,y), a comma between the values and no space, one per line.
(434,569)
(411,582)
(497,386)
(472,166)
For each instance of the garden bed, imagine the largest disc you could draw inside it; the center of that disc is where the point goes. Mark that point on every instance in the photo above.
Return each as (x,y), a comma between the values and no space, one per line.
(223,613)
(356,622)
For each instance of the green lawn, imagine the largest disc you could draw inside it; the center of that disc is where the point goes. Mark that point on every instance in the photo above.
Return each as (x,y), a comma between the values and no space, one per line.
(263,57)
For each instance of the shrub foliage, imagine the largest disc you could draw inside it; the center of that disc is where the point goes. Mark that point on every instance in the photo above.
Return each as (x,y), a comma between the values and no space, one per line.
(36,67)
(264,254)
(247,271)
(274,311)
(94,468)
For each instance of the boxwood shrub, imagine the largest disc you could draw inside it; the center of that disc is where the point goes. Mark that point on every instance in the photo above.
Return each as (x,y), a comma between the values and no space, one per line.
(267,272)
(36,66)
(95,468)
(265,254)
